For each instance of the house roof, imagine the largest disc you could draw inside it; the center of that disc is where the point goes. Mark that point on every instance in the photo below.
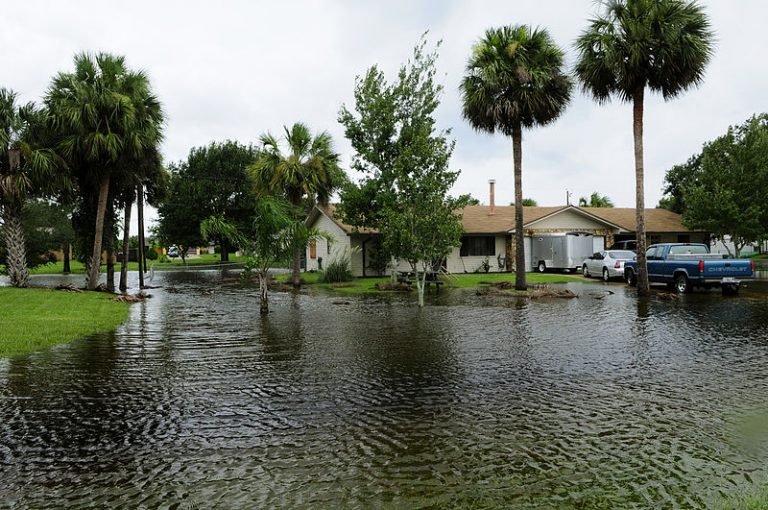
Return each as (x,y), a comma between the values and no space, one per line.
(330,211)
(656,220)
(477,219)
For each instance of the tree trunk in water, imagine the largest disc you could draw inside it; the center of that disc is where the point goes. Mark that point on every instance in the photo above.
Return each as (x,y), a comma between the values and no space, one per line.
(141,255)
(224,251)
(110,248)
(296,268)
(126,246)
(643,286)
(92,280)
(421,283)
(16,245)
(517,155)
(263,292)
(67,256)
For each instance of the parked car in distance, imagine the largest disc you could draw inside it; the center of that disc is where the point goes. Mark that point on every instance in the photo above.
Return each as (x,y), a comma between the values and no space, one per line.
(684,266)
(173,252)
(607,264)
(625,245)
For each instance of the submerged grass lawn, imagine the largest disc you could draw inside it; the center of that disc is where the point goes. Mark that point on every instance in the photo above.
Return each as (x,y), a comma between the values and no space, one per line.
(78,267)
(35,319)
(472,280)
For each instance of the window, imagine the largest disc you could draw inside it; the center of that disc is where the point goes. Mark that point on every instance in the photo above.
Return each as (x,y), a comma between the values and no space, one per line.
(312,249)
(482,246)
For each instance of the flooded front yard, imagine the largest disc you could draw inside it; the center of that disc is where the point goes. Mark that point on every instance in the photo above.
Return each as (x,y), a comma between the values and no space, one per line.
(602,400)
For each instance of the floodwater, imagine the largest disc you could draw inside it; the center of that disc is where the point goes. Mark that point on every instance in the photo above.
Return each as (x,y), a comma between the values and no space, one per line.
(359,402)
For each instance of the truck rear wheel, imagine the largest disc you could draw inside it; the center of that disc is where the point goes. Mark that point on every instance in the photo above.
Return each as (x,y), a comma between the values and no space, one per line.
(542,267)
(682,284)
(630,277)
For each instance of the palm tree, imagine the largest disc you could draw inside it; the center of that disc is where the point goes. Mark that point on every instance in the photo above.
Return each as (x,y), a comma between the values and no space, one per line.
(309,171)
(595,200)
(663,45)
(99,112)
(26,166)
(514,80)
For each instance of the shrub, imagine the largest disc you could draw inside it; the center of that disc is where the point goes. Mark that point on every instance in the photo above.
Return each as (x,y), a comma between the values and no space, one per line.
(337,270)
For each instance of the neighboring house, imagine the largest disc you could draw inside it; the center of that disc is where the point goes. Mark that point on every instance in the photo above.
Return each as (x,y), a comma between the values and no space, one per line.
(488,234)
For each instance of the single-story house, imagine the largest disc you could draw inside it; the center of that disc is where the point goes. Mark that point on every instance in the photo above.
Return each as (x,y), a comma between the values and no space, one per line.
(489,234)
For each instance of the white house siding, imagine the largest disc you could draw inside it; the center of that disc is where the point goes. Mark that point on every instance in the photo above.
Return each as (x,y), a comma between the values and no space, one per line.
(340,243)
(458,264)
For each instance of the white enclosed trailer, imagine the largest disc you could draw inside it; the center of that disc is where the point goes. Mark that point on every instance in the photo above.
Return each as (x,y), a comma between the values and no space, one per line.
(563,251)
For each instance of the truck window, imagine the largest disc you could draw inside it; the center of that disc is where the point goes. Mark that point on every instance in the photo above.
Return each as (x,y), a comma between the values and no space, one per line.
(689,249)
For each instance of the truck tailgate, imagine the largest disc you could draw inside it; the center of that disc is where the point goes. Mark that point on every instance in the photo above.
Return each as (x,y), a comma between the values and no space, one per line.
(728,268)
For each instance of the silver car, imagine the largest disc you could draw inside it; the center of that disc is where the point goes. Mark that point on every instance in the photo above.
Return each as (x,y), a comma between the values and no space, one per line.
(607,264)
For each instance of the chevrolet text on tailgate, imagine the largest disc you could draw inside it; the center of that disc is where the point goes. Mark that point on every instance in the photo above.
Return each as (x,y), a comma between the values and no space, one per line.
(684,266)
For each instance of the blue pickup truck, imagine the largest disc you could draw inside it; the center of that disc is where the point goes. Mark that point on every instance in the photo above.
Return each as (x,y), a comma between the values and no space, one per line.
(683,266)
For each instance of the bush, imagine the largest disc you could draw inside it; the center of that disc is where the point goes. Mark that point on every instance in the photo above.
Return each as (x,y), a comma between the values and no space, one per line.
(338,270)
(151,254)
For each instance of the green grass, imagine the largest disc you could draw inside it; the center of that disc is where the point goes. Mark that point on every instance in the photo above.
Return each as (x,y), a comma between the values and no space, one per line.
(35,319)
(463,281)
(172,264)
(750,500)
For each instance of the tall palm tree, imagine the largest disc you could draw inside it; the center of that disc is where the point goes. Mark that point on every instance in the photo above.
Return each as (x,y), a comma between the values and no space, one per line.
(26,166)
(98,112)
(662,45)
(514,80)
(308,171)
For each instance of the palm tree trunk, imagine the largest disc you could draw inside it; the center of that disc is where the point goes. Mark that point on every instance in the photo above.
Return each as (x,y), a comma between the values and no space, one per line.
(126,245)
(15,244)
(296,257)
(110,247)
(263,292)
(140,212)
(517,156)
(643,286)
(93,271)
(67,256)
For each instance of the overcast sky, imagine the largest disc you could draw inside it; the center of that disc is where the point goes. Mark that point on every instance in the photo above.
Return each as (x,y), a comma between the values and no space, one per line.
(235,69)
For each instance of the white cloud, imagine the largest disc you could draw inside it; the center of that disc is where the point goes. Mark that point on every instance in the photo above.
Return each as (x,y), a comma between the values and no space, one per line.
(234,69)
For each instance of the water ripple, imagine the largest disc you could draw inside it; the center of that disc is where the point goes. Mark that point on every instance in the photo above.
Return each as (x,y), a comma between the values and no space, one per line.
(600,401)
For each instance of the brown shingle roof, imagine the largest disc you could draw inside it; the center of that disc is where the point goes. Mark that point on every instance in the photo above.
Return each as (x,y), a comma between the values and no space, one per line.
(477,219)
(656,220)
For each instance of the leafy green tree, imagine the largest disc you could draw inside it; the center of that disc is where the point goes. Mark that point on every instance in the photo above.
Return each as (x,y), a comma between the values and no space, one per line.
(662,45)
(104,114)
(213,182)
(727,193)
(515,79)
(309,170)
(27,166)
(405,161)
(677,179)
(595,200)
(47,229)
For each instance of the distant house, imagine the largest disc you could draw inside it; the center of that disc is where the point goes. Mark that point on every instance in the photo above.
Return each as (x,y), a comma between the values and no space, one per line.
(489,234)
